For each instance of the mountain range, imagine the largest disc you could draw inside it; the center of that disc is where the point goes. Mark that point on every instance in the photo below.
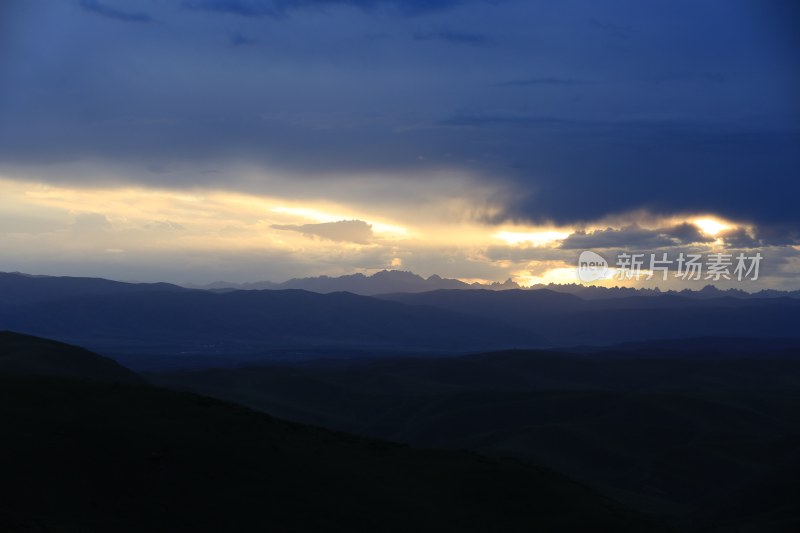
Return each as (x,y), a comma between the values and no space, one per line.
(382,282)
(394,281)
(191,325)
(509,410)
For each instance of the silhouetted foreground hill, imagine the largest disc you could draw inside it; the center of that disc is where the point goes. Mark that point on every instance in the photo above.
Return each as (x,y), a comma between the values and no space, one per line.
(31,356)
(95,456)
(709,440)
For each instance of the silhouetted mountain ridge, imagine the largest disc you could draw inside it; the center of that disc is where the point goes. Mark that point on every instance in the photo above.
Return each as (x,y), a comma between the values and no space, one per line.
(19,288)
(97,456)
(385,281)
(26,355)
(564,319)
(114,317)
(248,321)
(397,281)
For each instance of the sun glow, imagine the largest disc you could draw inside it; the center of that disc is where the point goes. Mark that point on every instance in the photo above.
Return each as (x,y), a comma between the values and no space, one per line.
(534,238)
(559,275)
(202,228)
(315,215)
(711,226)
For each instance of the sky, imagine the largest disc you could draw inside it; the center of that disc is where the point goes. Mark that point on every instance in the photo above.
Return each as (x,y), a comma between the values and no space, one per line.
(247,140)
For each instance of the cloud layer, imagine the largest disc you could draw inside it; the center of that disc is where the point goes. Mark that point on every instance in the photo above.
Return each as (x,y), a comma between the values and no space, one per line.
(355,231)
(429,115)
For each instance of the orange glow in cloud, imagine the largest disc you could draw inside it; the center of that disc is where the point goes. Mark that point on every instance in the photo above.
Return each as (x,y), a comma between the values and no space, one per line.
(532,238)
(712,226)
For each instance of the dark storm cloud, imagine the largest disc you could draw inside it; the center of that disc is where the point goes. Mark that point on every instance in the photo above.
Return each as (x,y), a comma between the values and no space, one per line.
(768,235)
(275,8)
(244,8)
(739,238)
(104,10)
(239,39)
(709,77)
(741,170)
(356,231)
(528,82)
(635,237)
(578,109)
(685,233)
(457,37)
(615,30)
